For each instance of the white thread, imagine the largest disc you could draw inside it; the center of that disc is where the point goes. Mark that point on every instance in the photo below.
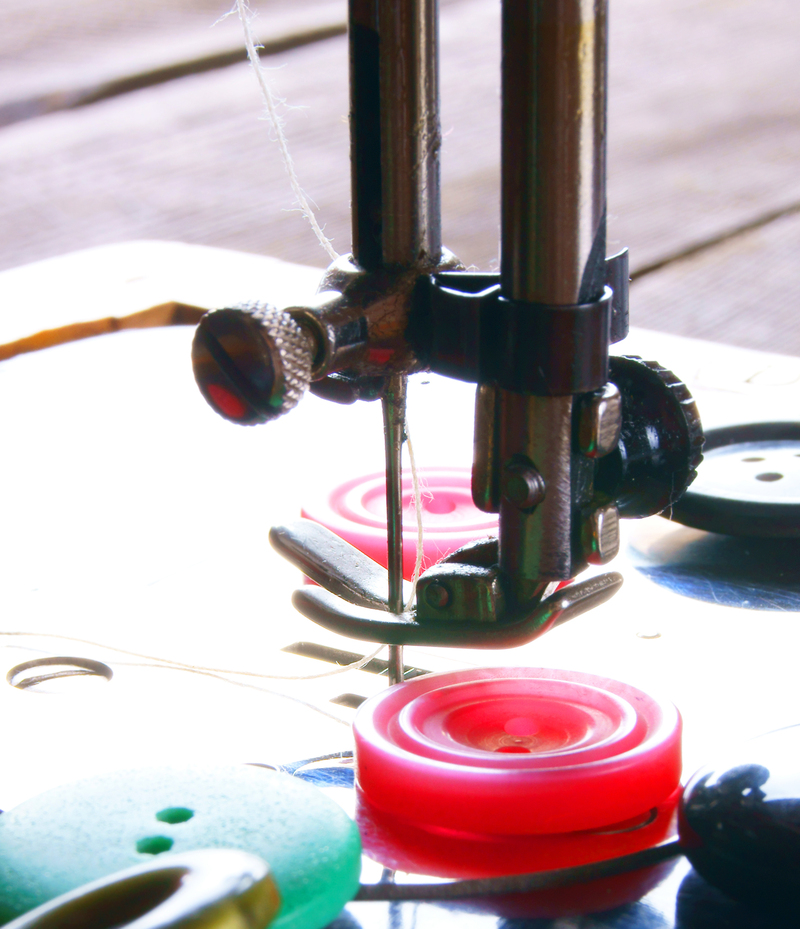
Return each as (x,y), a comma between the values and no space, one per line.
(227,680)
(415,489)
(245,16)
(201,669)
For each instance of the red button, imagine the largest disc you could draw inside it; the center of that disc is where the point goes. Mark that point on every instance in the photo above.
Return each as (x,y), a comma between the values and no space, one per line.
(356,512)
(516,751)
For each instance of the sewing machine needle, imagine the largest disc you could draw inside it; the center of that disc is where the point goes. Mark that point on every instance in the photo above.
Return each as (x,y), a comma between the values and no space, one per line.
(394,418)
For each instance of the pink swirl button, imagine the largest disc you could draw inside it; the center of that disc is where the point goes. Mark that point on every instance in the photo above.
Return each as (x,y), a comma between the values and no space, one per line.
(516,751)
(356,512)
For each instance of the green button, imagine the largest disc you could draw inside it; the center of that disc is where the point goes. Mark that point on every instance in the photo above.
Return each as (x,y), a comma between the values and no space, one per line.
(80,832)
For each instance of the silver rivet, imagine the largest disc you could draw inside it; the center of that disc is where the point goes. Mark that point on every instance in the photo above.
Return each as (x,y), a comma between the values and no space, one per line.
(600,422)
(601,535)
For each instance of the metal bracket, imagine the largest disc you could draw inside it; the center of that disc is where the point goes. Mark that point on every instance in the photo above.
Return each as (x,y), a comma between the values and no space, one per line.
(354,603)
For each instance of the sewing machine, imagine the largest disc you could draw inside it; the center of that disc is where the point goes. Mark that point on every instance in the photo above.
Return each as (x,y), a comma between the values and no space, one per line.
(542,534)
(565,441)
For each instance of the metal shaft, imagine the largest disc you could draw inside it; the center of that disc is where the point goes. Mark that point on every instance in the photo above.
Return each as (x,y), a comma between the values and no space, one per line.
(553,228)
(395,134)
(394,417)
(535,547)
(395,139)
(553,150)
(396,666)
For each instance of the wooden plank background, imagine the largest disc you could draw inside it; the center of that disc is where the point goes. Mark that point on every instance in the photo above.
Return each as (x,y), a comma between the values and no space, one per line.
(704,142)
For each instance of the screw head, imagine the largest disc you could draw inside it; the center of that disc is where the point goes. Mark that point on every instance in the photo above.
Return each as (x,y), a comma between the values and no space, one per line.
(437,595)
(251,363)
(523,485)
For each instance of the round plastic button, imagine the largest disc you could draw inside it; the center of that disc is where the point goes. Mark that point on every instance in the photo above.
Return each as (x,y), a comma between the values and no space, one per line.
(81,832)
(748,483)
(356,512)
(447,853)
(516,751)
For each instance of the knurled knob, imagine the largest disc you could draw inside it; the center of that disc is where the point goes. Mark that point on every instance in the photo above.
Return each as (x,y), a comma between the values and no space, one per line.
(252,363)
(661,440)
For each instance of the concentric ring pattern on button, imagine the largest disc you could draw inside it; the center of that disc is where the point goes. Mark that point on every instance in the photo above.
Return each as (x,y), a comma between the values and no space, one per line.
(516,751)
(356,512)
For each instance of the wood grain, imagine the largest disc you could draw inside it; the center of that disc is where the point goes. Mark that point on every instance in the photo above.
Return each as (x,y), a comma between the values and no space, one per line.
(743,292)
(189,160)
(59,56)
(704,123)
(55,54)
(704,138)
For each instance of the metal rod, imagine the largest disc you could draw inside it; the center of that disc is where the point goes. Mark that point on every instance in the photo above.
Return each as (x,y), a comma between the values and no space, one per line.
(554,231)
(365,133)
(396,667)
(395,133)
(393,404)
(535,547)
(554,150)
(394,417)
(395,140)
